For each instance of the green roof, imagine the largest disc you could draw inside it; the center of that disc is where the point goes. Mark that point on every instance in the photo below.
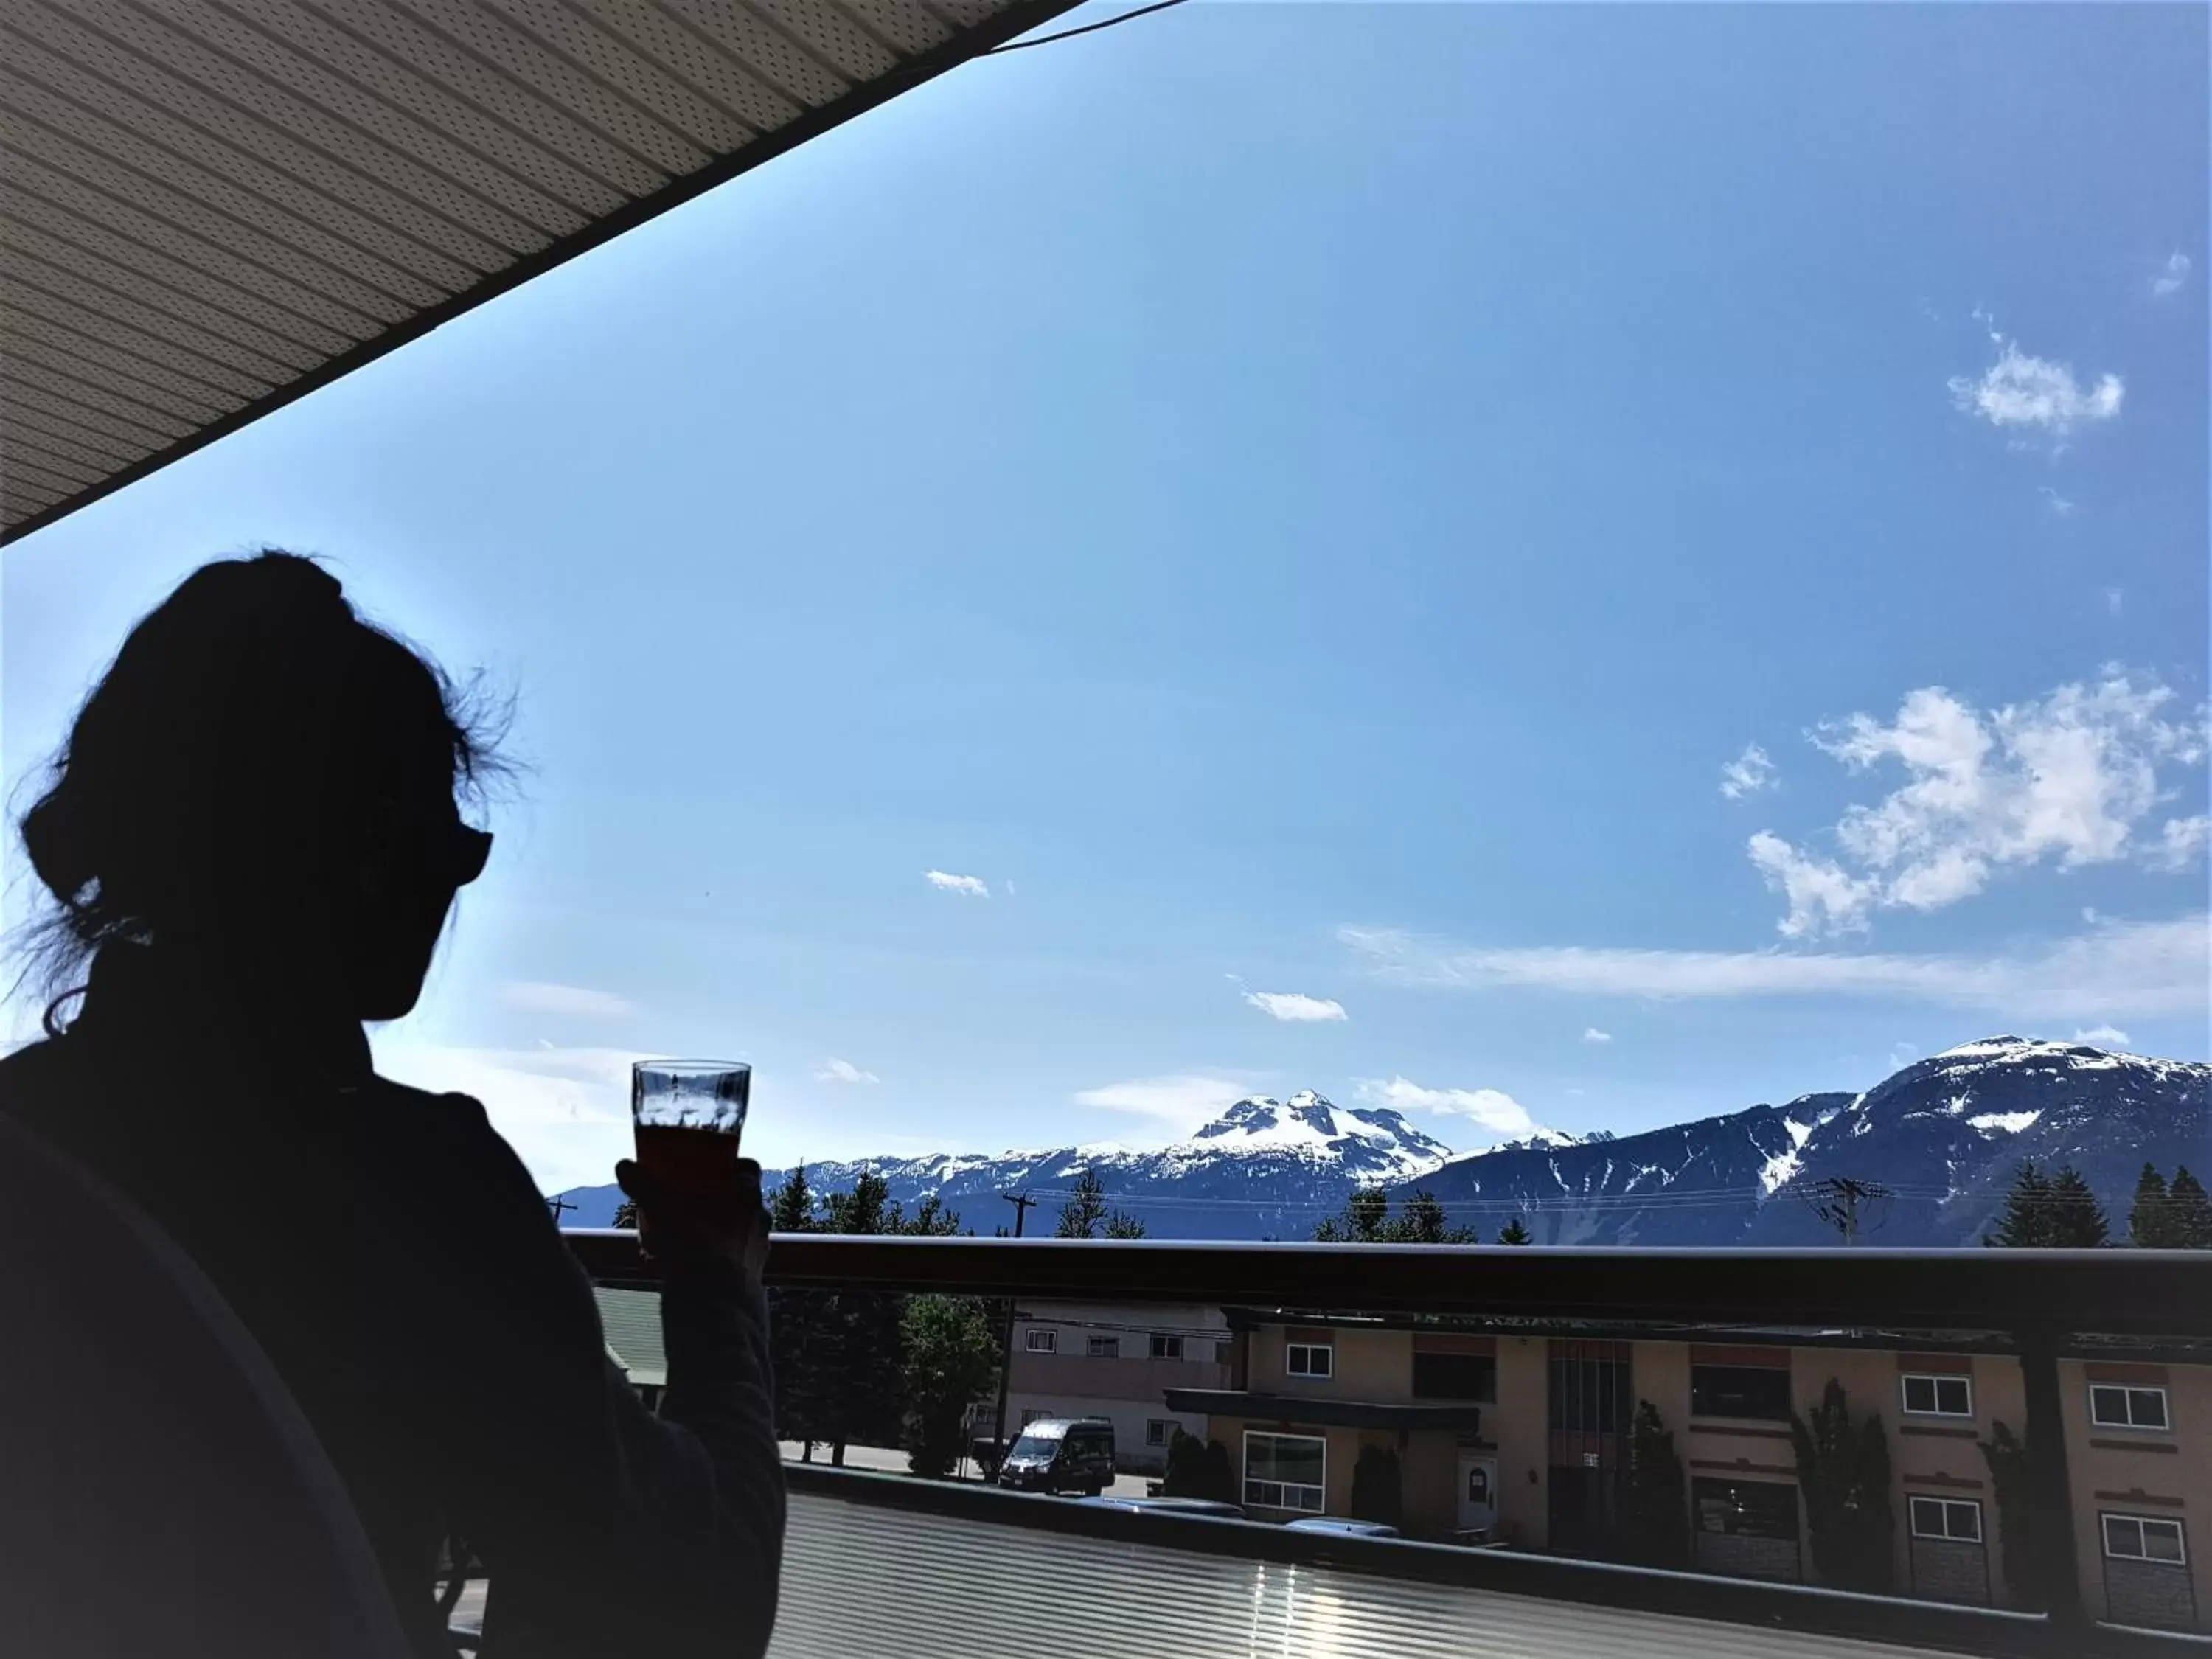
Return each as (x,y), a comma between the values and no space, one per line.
(631,1319)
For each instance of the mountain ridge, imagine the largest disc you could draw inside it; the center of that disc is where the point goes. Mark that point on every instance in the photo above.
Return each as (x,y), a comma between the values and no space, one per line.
(1942,1136)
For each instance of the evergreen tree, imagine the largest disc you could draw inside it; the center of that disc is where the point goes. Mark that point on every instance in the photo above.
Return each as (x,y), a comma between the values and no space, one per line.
(949,1355)
(2025,1225)
(2150,1219)
(1378,1491)
(2189,1212)
(1085,1212)
(1186,1471)
(2024,1541)
(791,1207)
(1367,1220)
(1220,1483)
(2076,1219)
(1842,1470)
(626,1214)
(1514,1233)
(1120,1224)
(1362,1221)
(1654,1502)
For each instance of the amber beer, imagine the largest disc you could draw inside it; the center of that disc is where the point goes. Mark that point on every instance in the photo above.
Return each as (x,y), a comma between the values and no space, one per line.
(688,1115)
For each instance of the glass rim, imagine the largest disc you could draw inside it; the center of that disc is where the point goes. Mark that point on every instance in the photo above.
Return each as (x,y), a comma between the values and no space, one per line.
(691,1067)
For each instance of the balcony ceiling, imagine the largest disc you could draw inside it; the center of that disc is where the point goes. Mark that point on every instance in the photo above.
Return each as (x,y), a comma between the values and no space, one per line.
(207,210)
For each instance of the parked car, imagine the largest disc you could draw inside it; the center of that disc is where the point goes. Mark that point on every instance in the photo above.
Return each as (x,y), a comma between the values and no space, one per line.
(1061,1455)
(1348,1528)
(1211,1508)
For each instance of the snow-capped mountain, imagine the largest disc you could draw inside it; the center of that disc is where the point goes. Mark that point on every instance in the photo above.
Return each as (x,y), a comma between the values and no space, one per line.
(1943,1136)
(1264,1169)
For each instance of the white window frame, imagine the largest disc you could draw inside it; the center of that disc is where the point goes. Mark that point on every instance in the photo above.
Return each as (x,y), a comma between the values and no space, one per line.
(1102,1347)
(1326,1350)
(2166,1522)
(2127,1391)
(1936,1380)
(1295,1496)
(1160,1431)
(1942,1507)
(1165,1347)
(1040,1341)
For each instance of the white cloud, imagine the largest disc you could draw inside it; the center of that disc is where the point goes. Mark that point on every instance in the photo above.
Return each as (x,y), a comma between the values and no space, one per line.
(970,886)
(2035,394)
(1493,1109)
(1747,774)
(2103,1036)
(564,1002)
(1177,1104)
(2062,506)
(2066,779)
(843,1070)
(1591,1034)
(2182,843)
(1294,1006)
(2115,599)
(2135,967)
(2170,276)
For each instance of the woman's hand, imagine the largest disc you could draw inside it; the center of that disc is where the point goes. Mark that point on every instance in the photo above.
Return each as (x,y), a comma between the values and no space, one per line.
(680,1225)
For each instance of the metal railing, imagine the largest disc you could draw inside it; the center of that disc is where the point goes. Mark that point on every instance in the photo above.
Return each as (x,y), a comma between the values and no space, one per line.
(2039,1302)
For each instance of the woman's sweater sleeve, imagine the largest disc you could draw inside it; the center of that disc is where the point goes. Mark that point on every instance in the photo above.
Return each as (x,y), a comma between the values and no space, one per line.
(605,1530)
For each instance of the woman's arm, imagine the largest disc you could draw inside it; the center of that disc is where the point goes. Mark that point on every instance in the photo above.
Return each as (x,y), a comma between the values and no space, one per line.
(607,1531)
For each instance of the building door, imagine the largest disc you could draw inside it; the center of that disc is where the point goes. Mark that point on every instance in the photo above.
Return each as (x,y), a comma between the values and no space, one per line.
(1588,1411)
(1478,1492)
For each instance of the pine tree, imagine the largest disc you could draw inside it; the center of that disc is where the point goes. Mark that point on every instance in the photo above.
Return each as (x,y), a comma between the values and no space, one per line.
(1367,1220)
(1085,1210)
(2190,1213)
(1655,1503)
(1186,1470)
(1842,1470)
(2025,1225)
(1514,1233)
(2150,1219)
(626,1214)
(1120,1224)
(2076,1219)
(791,1207)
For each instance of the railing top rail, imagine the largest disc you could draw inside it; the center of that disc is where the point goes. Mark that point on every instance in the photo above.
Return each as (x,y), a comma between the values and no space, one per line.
(2122,1292)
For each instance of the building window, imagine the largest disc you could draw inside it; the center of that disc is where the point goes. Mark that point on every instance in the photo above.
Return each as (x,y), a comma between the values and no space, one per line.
(1939,1396)
(1286,1471)
(1102,1347)
(1158,1433)
(2114,1407)
(2144,1537)
(1958,1520)
(1167,1347)
(1455,1376)
(1044,1341)
(1746,1509)
(1311,1359)
(1758,1391)
(1029,1417)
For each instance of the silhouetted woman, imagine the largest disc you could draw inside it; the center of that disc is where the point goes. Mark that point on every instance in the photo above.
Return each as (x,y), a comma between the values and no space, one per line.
(254,837)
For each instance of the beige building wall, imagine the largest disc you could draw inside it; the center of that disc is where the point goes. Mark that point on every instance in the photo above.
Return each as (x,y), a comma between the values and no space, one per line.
(1518,1425)
(2163,1474)
(1128,1389)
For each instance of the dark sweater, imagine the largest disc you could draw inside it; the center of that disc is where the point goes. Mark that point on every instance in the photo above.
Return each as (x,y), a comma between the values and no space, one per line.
(392,1255)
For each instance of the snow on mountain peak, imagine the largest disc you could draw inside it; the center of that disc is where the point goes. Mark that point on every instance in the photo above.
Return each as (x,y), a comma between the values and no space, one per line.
(1372,1139)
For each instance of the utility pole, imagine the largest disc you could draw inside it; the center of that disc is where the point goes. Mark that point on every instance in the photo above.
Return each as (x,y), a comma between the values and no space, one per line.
(560,1207)
(1021,1201)
(1837,1202)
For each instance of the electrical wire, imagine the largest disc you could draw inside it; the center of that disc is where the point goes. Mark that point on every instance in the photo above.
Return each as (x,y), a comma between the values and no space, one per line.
(1087,28)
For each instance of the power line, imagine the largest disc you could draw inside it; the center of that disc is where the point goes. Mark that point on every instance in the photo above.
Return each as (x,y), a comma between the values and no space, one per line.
(1839,1199)
(1087,28)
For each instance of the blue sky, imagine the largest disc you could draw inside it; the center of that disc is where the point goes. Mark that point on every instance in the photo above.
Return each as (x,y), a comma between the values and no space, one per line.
(1301,503)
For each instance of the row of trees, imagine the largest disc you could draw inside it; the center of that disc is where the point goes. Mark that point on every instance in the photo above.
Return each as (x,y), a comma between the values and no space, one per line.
(2060,1211)
(1420,1220)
